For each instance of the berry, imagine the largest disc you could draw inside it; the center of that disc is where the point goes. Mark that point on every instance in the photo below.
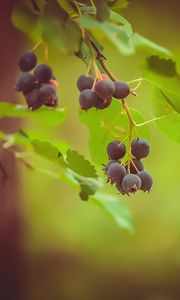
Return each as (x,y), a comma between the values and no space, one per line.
(104,88)
(33,100)
(85,82)
(146,180)
(27,61)
(140,148)
(109,164)
(47,94)
(104,76)
(116,172)
(116,150)
(25,82)
(53,103)
(122,89)
(138,164)
(131,183)
(120,188)
(87,99)
(43,73)
(101,104)
(53,83)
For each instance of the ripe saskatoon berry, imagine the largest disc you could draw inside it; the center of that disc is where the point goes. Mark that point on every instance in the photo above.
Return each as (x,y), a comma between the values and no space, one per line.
(27,61)
(85,82)
(43,73)
(87,99)
(25,82)
(116,172)
(109,164)
(120,188)
(131,183)
(122,89)
(104,88)
(47,94)
(33,100)
(140,148)
(138,164)
(146,180)
(116,150)
(101,104)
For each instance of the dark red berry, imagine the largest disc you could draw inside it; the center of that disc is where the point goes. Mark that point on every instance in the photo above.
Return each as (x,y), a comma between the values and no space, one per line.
(27,61)
(85,82)
(131,183)
(120,188)
(109,164)
(47,93)
(104,88)
(140,148)
(25,82)
(136,166)
(43,73)
(122,89)
(116,150)
(116,172)
(146,180)
(101,104)
(87,99)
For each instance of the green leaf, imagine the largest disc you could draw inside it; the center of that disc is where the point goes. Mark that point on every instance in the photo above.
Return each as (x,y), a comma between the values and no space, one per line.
(49,116)
(66,5)
(140,42)
(118,5)
(107,125)
(88,186)
(117,35)
(115,208)
(79,164)
(102,10)
(169,124)
(24,19)
(46,150)
(61,33)
(162,66)
(162,75)
(121,20)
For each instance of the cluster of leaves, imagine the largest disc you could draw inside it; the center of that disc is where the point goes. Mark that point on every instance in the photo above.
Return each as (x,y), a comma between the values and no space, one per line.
(60,24)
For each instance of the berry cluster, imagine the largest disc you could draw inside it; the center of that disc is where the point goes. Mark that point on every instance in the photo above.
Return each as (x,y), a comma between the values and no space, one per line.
(99,92)
(38,88)
(130,176)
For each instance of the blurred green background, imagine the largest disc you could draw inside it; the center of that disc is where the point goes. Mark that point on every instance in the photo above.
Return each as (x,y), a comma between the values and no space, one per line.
(73,249)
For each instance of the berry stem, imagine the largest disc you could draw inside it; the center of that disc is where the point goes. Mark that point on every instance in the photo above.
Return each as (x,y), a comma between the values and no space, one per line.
(154,119)
(101,58)
(129,147)
(46,53)
(36,46)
